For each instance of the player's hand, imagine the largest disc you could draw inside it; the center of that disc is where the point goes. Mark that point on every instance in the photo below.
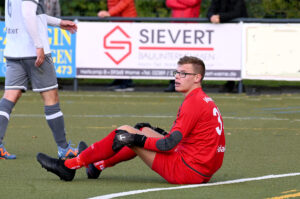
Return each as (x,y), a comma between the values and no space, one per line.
(103,13)
(215,19)
(122,138)
(141,125)
(138,126)
(40,57)
(68,25)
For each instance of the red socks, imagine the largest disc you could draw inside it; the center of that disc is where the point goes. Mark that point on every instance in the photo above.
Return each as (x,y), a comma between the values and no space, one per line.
(74,163)
(100,150)
(124,154)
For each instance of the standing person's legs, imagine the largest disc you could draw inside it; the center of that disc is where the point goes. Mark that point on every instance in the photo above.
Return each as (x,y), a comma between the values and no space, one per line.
(44,81)
(54,117)
(16,80)
(171,87)
(125,85)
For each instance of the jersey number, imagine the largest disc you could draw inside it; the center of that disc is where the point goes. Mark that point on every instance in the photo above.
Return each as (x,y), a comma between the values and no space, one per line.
(217,113)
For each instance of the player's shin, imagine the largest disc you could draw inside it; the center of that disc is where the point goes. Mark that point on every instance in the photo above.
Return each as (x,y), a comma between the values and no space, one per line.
(123,155)
(100,150)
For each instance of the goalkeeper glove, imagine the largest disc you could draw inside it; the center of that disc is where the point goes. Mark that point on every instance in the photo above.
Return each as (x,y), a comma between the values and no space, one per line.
(123,138)
(139,126)
(142,125)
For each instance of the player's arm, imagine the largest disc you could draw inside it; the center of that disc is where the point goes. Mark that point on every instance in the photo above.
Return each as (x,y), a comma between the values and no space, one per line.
(185,122)
(53,21)
(29,14)
(166,143)
(63,24)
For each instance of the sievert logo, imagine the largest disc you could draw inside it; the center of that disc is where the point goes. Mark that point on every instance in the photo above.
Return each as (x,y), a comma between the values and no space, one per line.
(117,44)
(176,39)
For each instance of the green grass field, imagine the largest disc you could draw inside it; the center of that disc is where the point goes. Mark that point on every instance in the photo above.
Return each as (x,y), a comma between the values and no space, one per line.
(262,138)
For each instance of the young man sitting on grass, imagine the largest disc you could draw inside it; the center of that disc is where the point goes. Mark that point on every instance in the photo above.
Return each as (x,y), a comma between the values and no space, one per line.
(190,153)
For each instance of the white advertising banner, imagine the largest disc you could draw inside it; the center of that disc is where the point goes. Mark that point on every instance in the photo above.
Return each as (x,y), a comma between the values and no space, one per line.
(272,52)
(151,50)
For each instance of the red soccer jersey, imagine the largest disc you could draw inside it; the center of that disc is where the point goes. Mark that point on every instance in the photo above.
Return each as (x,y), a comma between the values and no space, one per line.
(202,145)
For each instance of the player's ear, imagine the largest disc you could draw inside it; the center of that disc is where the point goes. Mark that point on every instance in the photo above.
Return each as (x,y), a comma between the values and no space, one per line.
(198,78)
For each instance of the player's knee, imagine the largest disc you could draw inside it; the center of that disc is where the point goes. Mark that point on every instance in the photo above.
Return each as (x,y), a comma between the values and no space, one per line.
(50,97)
(12,95)
(127,128)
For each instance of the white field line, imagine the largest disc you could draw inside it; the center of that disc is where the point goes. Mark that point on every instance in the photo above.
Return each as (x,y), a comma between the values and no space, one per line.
(114,195)
(153,116)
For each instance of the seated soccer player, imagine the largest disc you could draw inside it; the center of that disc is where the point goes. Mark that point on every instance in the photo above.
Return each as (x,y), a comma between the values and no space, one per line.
(190,153)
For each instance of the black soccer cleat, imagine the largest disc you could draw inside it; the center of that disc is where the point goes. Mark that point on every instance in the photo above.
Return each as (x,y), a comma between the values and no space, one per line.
(56,166)
(91,171)
(82,146)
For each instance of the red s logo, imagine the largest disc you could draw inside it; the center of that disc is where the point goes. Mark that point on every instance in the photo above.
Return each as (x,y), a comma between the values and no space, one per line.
(118,49)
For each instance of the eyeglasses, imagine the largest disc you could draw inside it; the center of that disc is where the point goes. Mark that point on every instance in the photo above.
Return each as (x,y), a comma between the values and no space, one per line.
(182,74)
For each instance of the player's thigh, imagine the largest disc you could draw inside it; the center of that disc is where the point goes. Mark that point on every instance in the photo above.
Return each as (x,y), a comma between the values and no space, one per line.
(171,167)
(146,155)
(43,78)
(16,77)
(151,133)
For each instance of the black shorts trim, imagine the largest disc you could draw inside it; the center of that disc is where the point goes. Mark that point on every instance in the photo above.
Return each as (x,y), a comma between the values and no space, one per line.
(194,169)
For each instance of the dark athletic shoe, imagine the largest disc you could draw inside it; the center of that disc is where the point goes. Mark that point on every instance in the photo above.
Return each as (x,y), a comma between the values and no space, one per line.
(91,171)
(82,146)
(56,166)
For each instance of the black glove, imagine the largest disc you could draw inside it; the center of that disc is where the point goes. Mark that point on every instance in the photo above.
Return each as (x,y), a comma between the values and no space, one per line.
(160,131)
(123,138)
(157,129)
(138,126)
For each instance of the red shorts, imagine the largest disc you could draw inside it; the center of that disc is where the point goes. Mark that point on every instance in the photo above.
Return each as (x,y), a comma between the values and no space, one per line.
(171,167)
